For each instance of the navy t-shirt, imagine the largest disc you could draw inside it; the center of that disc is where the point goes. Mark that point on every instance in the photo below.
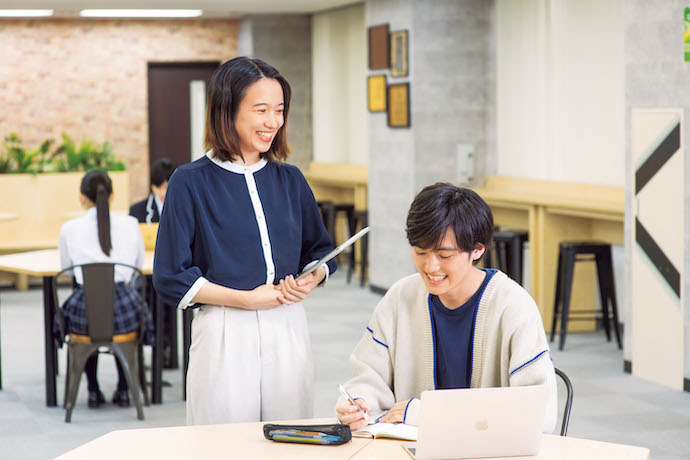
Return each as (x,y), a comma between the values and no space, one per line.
(453,335)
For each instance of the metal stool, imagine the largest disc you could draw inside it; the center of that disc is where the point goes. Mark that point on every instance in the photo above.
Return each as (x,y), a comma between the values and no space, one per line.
(327,209)
(508,246)
(329,213)
(568,254)
(360,219)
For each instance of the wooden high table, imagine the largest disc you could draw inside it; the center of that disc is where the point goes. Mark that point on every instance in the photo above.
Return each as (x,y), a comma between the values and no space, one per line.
(339,183)
(246,440)
(46,264)
(552,212)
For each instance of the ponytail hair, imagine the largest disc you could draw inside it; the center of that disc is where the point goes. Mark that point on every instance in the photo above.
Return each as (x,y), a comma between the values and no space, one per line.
(97,187)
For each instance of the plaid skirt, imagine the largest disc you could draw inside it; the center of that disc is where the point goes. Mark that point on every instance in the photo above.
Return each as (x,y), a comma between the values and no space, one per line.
(126,311)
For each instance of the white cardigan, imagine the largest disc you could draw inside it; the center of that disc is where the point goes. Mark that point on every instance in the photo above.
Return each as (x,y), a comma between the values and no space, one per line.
(395,361)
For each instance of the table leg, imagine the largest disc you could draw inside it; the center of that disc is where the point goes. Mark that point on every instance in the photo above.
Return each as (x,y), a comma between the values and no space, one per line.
(157,360)
(187,317)
(50,350)
(170,315)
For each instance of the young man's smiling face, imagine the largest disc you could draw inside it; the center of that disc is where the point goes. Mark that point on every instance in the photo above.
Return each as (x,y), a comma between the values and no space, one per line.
(448,271)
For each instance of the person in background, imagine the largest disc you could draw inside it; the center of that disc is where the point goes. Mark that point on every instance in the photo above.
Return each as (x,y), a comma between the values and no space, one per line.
(236,221)
(100,236)
(149,210)
(451,325)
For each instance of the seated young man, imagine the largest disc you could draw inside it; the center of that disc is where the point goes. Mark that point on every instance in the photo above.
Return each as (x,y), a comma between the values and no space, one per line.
(452,325)
(149,210)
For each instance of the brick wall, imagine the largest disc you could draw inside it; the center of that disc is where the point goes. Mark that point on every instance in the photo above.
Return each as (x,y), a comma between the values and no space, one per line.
(88,78)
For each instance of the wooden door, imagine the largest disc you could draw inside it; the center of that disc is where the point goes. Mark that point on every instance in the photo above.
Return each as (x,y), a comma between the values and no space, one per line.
(170,117)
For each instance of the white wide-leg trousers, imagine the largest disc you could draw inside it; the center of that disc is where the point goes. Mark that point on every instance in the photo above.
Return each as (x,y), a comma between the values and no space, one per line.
(249,365)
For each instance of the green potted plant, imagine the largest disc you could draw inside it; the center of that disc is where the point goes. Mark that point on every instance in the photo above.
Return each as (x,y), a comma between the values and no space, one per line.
(42,185)
(20,160)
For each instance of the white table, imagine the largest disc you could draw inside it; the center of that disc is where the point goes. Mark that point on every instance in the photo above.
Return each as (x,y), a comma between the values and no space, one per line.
(8,216)
(246,440)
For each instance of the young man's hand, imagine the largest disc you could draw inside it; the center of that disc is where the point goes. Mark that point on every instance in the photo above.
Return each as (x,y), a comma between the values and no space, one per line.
(396,414)
(349,415)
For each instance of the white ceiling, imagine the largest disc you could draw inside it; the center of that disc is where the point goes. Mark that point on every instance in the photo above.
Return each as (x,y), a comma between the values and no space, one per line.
(212,8)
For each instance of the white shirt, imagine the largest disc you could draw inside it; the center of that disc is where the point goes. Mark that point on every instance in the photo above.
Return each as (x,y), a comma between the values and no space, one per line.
(79,244)
(153,198)
(159,204)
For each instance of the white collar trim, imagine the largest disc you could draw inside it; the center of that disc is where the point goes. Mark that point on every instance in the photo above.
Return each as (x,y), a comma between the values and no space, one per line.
(235,167)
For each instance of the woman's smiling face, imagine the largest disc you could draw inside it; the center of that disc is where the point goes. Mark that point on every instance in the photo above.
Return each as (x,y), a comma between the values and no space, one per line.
(259,117)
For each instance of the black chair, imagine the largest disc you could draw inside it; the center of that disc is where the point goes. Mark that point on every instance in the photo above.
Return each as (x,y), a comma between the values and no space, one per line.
(99,298)
(568,254)
(507,253)
(568,401)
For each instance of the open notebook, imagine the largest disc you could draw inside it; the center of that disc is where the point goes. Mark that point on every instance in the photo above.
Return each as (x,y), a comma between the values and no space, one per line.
(388,430)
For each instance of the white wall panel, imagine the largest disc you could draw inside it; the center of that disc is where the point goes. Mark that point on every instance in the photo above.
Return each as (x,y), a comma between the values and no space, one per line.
(560,81)
(339,97)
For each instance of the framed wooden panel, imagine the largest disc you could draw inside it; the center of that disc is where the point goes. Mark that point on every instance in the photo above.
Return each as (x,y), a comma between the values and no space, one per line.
(376,90)
(379,57)
(399,58)
(657,264)
(399,105)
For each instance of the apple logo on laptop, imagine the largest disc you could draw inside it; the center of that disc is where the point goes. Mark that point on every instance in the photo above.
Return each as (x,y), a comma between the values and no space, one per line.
(481,425)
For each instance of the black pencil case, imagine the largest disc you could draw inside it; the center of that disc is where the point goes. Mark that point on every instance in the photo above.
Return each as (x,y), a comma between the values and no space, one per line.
(332,435)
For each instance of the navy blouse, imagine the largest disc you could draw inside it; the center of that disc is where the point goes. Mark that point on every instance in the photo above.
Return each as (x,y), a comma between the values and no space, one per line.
(237,226)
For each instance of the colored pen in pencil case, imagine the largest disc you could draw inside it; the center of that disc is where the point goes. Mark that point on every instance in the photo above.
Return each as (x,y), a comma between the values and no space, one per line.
(305,439)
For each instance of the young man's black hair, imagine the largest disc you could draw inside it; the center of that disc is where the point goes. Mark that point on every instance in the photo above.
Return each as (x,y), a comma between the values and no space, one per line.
(442,206)
(161,171)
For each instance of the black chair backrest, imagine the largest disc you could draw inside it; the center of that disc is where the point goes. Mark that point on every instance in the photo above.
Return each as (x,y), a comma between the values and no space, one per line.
(99,297)
(568,401)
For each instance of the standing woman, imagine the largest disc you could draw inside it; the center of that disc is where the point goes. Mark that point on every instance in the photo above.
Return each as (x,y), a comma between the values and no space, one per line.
(236,221)
(99,236)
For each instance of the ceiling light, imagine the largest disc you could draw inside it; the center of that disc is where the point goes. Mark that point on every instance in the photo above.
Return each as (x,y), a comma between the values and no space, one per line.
(140,13)
(25,13)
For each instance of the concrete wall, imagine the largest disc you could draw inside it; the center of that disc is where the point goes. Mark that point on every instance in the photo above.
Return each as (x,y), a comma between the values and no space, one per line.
(285,42)
(451,86)
(656,77)
(88,78)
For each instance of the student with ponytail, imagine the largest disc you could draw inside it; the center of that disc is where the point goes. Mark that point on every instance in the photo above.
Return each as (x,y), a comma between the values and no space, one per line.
(99,236)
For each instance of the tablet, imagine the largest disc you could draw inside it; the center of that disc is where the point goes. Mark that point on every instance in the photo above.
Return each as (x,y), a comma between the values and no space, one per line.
(333,253)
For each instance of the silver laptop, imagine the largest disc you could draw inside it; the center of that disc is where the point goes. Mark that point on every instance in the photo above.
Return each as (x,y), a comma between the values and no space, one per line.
(481,422)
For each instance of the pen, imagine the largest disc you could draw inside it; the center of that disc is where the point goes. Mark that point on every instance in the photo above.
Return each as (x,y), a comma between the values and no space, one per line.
(300,434)
(310,440)
(350,398)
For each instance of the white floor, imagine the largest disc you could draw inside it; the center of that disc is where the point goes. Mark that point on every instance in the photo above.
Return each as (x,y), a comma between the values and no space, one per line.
(608,405)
